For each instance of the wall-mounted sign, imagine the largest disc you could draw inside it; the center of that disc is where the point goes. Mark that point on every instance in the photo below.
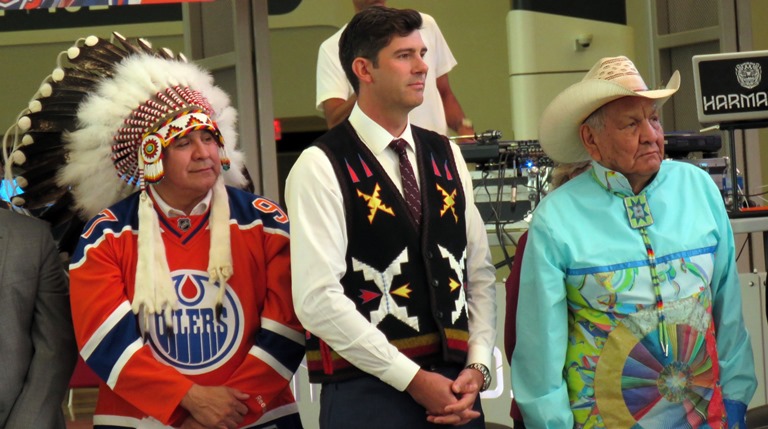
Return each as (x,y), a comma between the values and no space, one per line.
(731,87)
(76,17)
(45,4)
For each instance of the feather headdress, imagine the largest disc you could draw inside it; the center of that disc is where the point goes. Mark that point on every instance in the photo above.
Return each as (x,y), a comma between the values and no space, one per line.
(94,133)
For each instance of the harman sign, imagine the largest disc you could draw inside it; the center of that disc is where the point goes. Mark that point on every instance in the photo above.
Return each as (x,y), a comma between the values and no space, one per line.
(730,87)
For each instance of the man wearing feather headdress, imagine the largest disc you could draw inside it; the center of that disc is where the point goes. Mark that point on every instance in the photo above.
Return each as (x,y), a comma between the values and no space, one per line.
(180,284)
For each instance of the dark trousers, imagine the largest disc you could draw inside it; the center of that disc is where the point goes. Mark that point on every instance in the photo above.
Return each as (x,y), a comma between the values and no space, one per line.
(369,403)
(291,421)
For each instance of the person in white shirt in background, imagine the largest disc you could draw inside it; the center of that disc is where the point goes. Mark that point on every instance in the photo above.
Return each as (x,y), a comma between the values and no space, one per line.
(439,111)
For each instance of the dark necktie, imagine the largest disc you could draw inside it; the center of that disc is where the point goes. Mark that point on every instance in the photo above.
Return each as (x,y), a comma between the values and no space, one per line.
(410,187)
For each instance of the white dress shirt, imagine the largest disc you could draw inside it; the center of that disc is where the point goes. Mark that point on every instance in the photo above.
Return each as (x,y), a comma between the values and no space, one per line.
(319,245)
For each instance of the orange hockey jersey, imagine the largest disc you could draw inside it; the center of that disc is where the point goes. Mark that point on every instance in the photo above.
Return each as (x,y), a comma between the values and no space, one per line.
(255,345)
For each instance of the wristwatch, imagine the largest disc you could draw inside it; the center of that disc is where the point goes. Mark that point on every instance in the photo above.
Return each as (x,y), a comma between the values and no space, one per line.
(486,374)
(466,123)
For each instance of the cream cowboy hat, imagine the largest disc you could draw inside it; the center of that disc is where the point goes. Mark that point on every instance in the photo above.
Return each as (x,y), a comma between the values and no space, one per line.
(609,79)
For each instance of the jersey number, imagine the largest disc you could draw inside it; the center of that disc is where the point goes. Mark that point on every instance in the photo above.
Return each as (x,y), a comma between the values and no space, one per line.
(267,206)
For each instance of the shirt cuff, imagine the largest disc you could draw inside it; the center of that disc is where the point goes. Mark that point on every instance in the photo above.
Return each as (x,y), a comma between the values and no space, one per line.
(479,354)
(400,373)
(736,413)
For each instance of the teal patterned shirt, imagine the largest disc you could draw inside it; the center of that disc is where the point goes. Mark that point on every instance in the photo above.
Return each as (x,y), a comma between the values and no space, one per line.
(598,345)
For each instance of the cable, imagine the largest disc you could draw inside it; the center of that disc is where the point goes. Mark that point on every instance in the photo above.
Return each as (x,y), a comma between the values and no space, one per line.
(496,204)
(756,195)
(510,167)
(499,193)
(742,248)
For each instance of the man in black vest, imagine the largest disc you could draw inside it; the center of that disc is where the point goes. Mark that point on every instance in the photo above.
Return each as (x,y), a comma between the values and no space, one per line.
(392,275)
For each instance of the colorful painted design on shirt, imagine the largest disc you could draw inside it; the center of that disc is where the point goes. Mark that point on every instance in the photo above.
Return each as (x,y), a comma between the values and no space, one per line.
(678,389)
(614,330)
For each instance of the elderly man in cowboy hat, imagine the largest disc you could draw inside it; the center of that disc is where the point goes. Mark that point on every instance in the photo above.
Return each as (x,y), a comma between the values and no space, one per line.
(630,304)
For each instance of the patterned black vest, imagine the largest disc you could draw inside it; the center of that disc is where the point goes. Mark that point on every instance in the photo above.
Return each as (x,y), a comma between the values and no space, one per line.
(408,281)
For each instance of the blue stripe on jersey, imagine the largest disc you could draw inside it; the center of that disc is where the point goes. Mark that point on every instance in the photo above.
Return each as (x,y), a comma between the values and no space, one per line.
(200,226)
(112,346)
(197,229)
(168,227)
(288,352)
(640,263)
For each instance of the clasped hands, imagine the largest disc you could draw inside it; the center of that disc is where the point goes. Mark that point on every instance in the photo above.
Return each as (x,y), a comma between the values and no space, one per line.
(214,407)
(447,401)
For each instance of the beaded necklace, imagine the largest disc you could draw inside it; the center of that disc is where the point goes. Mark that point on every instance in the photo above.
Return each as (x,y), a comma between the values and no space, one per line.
(640,218)
(639,215)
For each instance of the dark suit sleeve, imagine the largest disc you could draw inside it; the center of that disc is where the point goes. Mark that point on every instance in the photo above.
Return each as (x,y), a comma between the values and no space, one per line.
(53,338)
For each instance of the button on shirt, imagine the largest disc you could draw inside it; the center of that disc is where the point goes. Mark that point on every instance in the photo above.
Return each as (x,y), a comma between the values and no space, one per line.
(318,248)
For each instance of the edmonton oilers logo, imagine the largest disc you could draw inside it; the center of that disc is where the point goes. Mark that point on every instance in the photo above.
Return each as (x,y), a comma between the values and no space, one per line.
(198,342)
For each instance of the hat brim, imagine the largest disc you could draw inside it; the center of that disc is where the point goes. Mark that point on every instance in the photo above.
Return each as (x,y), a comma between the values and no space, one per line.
(560,121)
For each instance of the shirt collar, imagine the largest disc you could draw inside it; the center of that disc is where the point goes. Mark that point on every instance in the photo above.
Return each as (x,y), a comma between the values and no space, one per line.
(616,182)
(374,135)
(169,211)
